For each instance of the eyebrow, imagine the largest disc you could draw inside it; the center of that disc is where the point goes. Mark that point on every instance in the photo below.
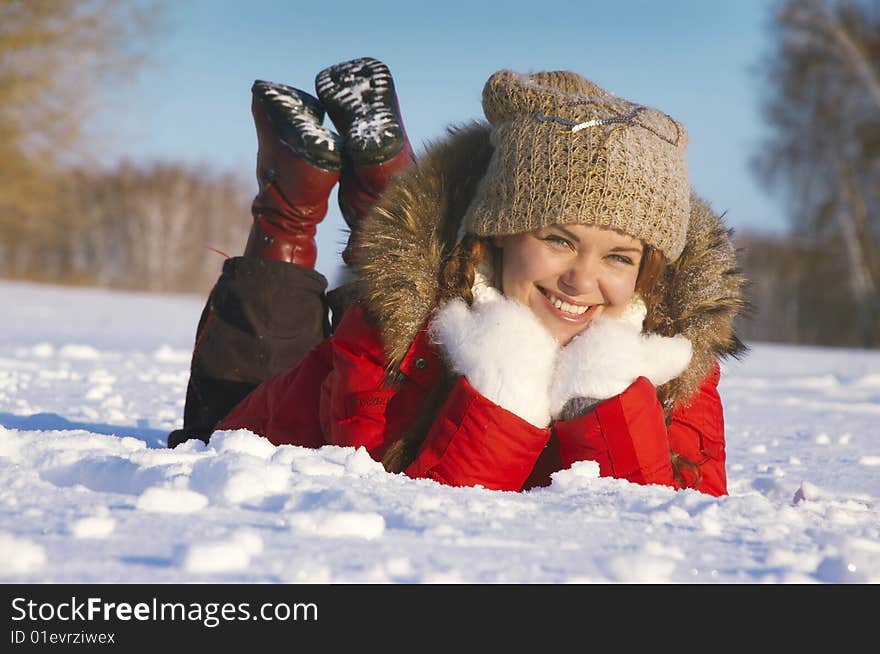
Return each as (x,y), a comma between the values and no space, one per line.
(626,248)
(568,233)
(618,248)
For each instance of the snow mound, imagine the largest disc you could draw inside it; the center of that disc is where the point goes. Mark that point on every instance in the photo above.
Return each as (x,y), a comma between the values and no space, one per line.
(20,555)
(171,500)
(343,524)
(94,527)
(230,555)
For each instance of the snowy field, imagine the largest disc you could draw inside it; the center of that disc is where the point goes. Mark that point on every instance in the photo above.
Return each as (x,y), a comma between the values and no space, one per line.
(92,381)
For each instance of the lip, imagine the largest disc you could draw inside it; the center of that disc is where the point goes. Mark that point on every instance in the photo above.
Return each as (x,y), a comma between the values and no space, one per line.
(583,318)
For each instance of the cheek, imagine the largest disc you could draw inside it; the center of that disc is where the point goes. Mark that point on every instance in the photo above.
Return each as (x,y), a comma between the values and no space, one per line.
(521,267)
(619,290)
(628,284)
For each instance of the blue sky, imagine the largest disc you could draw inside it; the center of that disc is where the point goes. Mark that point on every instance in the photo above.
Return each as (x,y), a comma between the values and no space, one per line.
(695,59)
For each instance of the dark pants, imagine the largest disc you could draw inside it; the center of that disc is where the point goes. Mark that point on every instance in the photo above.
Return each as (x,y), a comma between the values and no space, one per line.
(260,318)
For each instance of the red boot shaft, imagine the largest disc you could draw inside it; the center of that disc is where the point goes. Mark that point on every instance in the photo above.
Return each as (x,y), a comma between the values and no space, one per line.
(361,186)
(292,200)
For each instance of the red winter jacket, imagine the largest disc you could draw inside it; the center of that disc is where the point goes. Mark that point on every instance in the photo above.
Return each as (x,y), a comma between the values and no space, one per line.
(337,396)
(338,393)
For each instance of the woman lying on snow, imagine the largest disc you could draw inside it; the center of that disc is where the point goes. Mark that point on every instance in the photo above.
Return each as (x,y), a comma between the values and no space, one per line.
(532,292)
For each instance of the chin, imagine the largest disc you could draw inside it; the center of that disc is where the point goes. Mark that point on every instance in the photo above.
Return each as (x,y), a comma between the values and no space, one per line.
(561,332)
(565,336)
(561,328)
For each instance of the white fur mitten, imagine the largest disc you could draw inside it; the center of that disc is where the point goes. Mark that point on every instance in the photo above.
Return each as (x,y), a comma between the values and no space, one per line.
(609,355)
(502,349)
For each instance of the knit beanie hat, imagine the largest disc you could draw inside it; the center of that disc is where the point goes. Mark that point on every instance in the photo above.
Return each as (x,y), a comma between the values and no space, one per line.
(568,152)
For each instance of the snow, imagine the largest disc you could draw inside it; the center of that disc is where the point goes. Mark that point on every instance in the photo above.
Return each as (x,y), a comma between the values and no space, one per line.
(92,381)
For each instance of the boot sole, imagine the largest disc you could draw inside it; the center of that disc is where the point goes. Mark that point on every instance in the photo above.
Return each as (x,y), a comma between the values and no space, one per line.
(360,99)
(297,117)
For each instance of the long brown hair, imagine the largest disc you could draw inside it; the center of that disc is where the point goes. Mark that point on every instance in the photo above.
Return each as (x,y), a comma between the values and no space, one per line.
(687,473)
(456,280)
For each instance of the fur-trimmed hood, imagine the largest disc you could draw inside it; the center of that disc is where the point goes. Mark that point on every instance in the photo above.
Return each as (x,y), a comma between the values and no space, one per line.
(405,240)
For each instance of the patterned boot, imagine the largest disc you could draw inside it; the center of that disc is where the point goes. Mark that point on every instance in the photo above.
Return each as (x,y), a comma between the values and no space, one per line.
(360,99)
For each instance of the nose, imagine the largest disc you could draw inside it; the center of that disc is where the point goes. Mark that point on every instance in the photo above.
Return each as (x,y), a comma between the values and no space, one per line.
(581,277)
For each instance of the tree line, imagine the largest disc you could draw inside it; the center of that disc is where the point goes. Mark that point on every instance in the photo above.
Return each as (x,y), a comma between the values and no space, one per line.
(148,226)
(797,292)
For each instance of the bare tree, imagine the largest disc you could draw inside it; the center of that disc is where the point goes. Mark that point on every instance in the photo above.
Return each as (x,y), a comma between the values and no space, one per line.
(822,108)
(52,54)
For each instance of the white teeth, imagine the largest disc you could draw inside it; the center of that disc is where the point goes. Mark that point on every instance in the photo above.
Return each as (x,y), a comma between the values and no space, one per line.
(577,310)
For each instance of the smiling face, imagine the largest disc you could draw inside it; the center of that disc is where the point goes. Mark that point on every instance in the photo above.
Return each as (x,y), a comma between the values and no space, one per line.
(568,275)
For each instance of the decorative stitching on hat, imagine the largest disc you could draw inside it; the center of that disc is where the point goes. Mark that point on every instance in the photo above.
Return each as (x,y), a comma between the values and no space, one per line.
(629,120)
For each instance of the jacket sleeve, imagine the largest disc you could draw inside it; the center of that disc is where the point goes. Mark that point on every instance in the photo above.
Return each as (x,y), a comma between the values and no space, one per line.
(354,396)
(697,433)
(281,408)
(628,436)
(473,441)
